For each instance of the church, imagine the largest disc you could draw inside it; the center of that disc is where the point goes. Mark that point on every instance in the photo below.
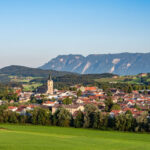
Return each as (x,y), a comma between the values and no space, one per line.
(50,90)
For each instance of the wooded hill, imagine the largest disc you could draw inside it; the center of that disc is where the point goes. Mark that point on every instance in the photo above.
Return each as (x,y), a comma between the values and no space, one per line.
(58,76)
(30,72)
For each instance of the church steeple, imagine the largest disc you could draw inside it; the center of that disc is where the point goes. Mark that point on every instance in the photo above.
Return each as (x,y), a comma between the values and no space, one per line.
(49,78)
(50,85)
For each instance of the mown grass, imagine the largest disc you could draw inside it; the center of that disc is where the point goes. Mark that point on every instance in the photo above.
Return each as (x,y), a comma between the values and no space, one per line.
(17,137)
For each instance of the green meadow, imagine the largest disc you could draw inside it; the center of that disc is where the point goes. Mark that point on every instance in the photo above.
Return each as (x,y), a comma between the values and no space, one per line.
(28,137)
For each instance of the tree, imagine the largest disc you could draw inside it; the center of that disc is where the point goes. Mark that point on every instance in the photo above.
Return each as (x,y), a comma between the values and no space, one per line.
(40,116)
(115,107)
(79,120)
(103,121)
(130,89)
(128,112)
(89,115)
(137,107)
(12,117)
(142,123)
(120,99)
(130,121)
(67,101)
(108,104)
(33,116)
(44,116)
(62,117)
(73,89)
(33,99)
(124,122)
(53,99)
(120,122)
(43,98)
(23,119)
(79,93)
(111,122)
(96,121)
(109,93)
(89,108)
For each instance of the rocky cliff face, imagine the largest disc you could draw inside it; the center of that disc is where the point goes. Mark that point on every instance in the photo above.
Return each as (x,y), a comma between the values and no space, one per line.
(122,64)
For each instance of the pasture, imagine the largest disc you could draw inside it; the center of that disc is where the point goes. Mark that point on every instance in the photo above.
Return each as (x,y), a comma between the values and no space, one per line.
(29,137)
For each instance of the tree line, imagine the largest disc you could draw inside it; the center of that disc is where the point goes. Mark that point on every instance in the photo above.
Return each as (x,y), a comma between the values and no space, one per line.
(90,118)
(126,87)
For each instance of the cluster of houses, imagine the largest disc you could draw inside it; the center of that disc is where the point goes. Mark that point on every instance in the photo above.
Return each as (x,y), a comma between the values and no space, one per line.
(22,109)
(134,102)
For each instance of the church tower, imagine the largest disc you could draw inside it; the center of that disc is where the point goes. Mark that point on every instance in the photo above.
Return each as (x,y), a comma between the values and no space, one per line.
(50,86)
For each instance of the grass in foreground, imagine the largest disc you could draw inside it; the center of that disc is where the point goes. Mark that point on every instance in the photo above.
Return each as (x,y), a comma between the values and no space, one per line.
(17,137)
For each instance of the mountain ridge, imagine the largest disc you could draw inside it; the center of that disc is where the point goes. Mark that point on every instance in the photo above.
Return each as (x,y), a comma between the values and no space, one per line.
(120,63)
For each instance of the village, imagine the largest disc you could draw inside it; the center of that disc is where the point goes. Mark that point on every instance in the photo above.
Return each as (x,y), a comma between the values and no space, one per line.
(76,99)
(75,75)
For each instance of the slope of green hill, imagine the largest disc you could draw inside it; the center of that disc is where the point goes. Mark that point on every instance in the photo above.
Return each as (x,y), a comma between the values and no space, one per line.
(30,72)
(18,137)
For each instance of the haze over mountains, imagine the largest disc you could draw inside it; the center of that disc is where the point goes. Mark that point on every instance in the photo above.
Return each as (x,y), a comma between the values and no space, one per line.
(121,63)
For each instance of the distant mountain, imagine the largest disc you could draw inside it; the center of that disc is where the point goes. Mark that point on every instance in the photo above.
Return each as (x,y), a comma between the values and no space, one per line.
(33,72)
(121,64)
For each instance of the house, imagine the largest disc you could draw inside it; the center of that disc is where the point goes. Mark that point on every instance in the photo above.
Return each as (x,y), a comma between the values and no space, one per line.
(31,107)
(49,103)
(66,94)
(114,99)
(53,97)
(115,77)
(1,102)
(12,108)
(115,112)
(114,91)
(130,103)
(11,102)
(71,108)
(142,75)
(22,109)
(25,97)
(83,89)
(79,101)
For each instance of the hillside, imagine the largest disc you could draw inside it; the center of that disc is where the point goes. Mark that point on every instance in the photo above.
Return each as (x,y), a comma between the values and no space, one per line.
(68,80)
(32,72)
(122,63)
(31,78)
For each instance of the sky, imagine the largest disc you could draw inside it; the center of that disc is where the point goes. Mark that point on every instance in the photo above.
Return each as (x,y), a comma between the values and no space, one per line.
(34,31)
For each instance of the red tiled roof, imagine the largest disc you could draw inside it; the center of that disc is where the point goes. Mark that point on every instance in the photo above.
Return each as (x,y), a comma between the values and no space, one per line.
(49,102)
(90,88)
(11,107)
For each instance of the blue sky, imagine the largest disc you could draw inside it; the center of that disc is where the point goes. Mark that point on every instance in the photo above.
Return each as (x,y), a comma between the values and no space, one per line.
(34,31)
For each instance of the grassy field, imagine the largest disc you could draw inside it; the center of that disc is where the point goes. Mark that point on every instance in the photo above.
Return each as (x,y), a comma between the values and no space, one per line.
(27,85)
(17,137)
(31,86)
(121,79)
